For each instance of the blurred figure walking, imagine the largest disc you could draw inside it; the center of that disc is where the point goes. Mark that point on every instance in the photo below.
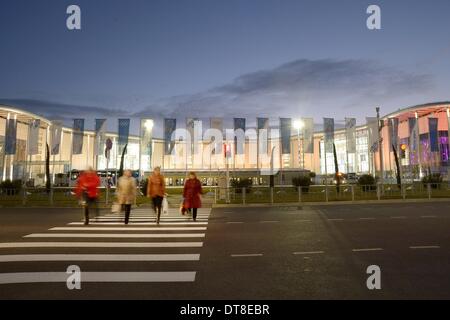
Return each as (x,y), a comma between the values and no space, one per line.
(156,189)
(126,192)
(191,193)
(87,191)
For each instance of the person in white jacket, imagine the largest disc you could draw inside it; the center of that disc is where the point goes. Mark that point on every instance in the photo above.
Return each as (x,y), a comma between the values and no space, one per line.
(126,192)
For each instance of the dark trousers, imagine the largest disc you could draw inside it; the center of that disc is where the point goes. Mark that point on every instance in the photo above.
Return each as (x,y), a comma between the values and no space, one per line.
(157,204)
(90,203)
(127,209)
(194,213)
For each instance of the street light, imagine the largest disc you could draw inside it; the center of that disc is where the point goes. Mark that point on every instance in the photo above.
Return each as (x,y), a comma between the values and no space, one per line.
(299,124)
(148,124)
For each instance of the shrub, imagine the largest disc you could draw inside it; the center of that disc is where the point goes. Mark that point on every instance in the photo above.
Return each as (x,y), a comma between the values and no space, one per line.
(243,183)
(9,187)
(434,179)
(302,181)
(367,182)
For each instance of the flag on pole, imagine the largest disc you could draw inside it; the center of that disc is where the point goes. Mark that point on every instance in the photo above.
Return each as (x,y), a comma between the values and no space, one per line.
(393,132)
(195,128)
(124,132)
(55,135)
(433,130)
(263,134)
(285,132)
(413,134)
(100,132)
(11,136)
(146,136)
(170,126)
(328,128)
(372,133)
(308,135)
(217,124)
(33,142)
(78,136)
(239,131)
(350,134)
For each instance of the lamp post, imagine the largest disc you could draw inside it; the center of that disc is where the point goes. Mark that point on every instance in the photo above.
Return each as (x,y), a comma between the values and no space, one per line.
(380,139)
(299,124)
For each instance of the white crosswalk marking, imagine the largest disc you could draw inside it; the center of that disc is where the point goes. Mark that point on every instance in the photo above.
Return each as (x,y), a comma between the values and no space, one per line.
(174,232)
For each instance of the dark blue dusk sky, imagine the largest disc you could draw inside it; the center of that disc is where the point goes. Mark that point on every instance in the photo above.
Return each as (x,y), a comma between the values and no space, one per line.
(226,58)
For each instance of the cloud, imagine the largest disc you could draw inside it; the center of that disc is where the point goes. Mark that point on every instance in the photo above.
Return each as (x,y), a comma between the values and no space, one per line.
(319,88)
(61,111)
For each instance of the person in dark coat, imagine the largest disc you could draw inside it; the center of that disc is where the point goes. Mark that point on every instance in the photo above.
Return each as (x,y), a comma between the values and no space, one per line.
(191,193)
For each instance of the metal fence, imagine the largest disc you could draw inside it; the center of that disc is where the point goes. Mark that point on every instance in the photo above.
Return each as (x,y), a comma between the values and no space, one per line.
(65,197)
(323,193)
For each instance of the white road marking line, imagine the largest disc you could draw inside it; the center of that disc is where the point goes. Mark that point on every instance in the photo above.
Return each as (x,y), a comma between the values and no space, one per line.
(425,247)
(398,217)
(428,216)
(143,220)
(140,223)
(101,245)
(269,221)
(336,219)
(126,228)
(115,235)
(98,257)
(303,220)
(367,249)
(307,252)
(43,277)
(366,218)
(234,222)
(246,255)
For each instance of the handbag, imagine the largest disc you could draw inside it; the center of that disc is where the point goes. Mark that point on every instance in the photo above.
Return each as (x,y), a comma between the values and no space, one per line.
(116,208)
(165,206)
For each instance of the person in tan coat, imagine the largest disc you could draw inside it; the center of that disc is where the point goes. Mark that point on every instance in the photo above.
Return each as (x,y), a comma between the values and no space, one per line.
(156,189)
(126,192)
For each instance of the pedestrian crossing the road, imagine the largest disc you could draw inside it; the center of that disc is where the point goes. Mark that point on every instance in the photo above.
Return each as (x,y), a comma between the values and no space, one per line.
(109,251)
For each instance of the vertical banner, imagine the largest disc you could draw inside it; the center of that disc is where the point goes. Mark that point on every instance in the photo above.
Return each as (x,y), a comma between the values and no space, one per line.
(11,136)
(146,137)
(285,132)
(55,135)
(170,126)
(239,138)
(78,135)
(195,128)
(262,134)
(124,132)
(100,131)
(372,133)
(413,143)
(328,128)
(33,142)
(217,124)
(433,133)
(308,135)
(350,134)
(393,133)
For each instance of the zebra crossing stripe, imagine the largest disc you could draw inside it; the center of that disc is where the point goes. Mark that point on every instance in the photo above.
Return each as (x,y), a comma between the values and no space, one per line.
(101,245)
(115,235)
(43,277)
(98,257)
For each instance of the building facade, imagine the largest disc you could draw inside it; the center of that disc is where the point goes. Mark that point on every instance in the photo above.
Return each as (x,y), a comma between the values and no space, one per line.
(431,153)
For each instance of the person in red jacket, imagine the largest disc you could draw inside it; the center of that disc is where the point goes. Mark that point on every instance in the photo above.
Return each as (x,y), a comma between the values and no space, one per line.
(191,193)
(87,191)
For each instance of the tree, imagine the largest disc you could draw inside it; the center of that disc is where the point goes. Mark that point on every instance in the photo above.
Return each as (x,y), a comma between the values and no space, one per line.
(122,159)
(336,169)
(397,166)
(48,185)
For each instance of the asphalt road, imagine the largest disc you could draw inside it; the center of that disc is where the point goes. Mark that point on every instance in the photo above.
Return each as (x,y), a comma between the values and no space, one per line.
(319,252)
